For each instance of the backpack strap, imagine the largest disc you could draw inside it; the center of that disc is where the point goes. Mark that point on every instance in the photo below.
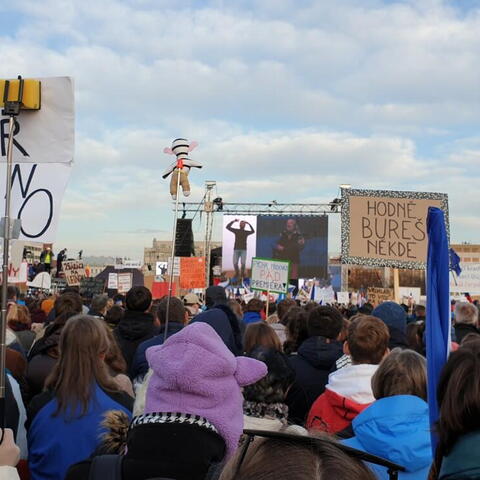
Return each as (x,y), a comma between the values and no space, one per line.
(106,466)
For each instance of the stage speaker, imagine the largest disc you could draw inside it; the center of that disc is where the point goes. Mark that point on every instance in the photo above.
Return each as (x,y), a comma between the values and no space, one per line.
(184,242)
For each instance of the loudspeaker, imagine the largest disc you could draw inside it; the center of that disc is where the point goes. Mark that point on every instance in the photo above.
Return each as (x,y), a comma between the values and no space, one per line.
(184,242)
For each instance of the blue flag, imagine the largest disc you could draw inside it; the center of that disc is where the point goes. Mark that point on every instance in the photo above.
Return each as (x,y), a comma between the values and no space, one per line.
(438,308)
(455,262)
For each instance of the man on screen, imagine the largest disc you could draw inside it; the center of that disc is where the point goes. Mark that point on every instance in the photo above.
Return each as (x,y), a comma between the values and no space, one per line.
(240,246)
(289,246)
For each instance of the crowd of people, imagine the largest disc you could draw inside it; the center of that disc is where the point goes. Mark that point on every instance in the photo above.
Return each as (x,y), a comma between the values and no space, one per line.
(111,388)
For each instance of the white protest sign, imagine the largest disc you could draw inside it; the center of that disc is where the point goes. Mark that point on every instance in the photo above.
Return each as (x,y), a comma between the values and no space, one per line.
(112,281)
(42,154)
(124,282)
(407,293)
(468,281)
(74,271)
(343,298)
(270,275)
(161,269)
(121,263)
(16,273)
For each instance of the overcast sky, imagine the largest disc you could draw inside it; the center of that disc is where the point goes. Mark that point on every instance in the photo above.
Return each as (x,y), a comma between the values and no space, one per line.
(288,99)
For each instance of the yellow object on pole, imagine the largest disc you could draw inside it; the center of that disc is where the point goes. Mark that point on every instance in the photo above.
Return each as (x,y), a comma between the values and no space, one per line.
(31,98)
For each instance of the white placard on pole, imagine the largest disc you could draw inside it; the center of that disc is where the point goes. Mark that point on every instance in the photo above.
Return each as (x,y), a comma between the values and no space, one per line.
(270,275)
(112,281)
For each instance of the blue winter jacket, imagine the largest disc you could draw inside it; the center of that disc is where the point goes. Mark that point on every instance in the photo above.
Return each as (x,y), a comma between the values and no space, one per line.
(251,317)
(55,442)
(397,429)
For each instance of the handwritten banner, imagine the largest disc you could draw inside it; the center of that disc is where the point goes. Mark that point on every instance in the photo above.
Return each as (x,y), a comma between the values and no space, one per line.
(387,228)
(270,275)
(192,272)
(74,272)
(376,295)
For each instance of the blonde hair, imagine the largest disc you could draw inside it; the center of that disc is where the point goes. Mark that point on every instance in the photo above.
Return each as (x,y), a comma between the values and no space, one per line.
(466,313)
(402,372)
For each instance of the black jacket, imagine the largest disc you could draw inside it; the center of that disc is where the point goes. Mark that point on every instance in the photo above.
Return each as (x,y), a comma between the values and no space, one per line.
(133,329)
(176,451)
(463,329)
(312,364)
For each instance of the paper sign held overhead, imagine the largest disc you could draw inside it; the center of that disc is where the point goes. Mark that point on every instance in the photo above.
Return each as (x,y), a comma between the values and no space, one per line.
(192,272)
(74,272)
(377,295)
(124,282)
(270,275)
(112,281)
(387,228)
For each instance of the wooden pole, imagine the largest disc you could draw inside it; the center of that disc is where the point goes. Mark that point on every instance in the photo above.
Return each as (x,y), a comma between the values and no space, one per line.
(396,285)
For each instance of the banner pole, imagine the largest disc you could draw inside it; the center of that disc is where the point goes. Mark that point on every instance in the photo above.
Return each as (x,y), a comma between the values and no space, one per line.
(268,304)
(172,257)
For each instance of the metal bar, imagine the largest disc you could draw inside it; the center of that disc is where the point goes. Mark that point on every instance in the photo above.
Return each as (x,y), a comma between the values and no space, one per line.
(6,244)
(172,257)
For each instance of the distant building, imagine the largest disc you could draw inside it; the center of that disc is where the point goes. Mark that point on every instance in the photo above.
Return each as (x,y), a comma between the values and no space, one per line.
(161,250)
(468,252)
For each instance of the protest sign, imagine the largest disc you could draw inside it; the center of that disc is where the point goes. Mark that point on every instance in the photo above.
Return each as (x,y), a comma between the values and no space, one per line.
(124,282)
(121,263)
(468,281)
(74,272)
(91,286)
(17,268)
(378,295)
(270,275)
(387,228)
(42,157)
(161,269)
(112,281)
(343,298)
(192,272)
(410,293)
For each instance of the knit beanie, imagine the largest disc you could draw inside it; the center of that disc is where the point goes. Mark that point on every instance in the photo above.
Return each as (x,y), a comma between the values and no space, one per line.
(392,314)
(195,373)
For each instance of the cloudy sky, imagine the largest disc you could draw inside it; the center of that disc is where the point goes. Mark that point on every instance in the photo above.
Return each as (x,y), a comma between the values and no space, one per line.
(288,99)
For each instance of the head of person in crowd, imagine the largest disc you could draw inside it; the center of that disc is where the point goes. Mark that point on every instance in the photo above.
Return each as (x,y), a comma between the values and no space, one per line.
(195,373)
(466,320)
(395,318)
(18,318)
(12,294)
(138,299)
(366,309)
(398,417)
(84,341)
(264,403)
(470,337)
(309,306)
(344,331)
(402,372)
(458,426)
(236,308)
(285,459)
(260,334)
(98,306)
(192,304)
(215,295)
(297,332)
(367,340)
(325,321)
(119,299)
(420,312)
(66,306)
(178,313)
(113,357)
(254,311)
(283,307)
(415,332)
(114,315)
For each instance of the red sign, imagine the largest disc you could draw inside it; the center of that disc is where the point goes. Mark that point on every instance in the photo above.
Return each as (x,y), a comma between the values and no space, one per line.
(192,272)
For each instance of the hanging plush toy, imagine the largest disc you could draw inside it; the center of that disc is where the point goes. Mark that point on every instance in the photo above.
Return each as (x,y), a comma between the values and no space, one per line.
(180,147)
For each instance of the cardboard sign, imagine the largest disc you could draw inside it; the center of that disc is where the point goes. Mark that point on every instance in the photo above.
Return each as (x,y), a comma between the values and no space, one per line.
(112,281)
(387,228)
(377,295)
(468,281)
(192,272)
(343,298)
(74,272)
(42,155)
(124,282)
(408,294)
(270,275)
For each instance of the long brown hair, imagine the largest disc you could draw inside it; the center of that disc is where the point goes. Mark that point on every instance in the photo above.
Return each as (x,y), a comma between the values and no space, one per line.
(275,459)
(83,345)
(458,396)
(260,334)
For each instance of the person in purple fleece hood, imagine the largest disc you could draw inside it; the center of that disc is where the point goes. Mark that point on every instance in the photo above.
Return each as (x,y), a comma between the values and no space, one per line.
(193,414)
